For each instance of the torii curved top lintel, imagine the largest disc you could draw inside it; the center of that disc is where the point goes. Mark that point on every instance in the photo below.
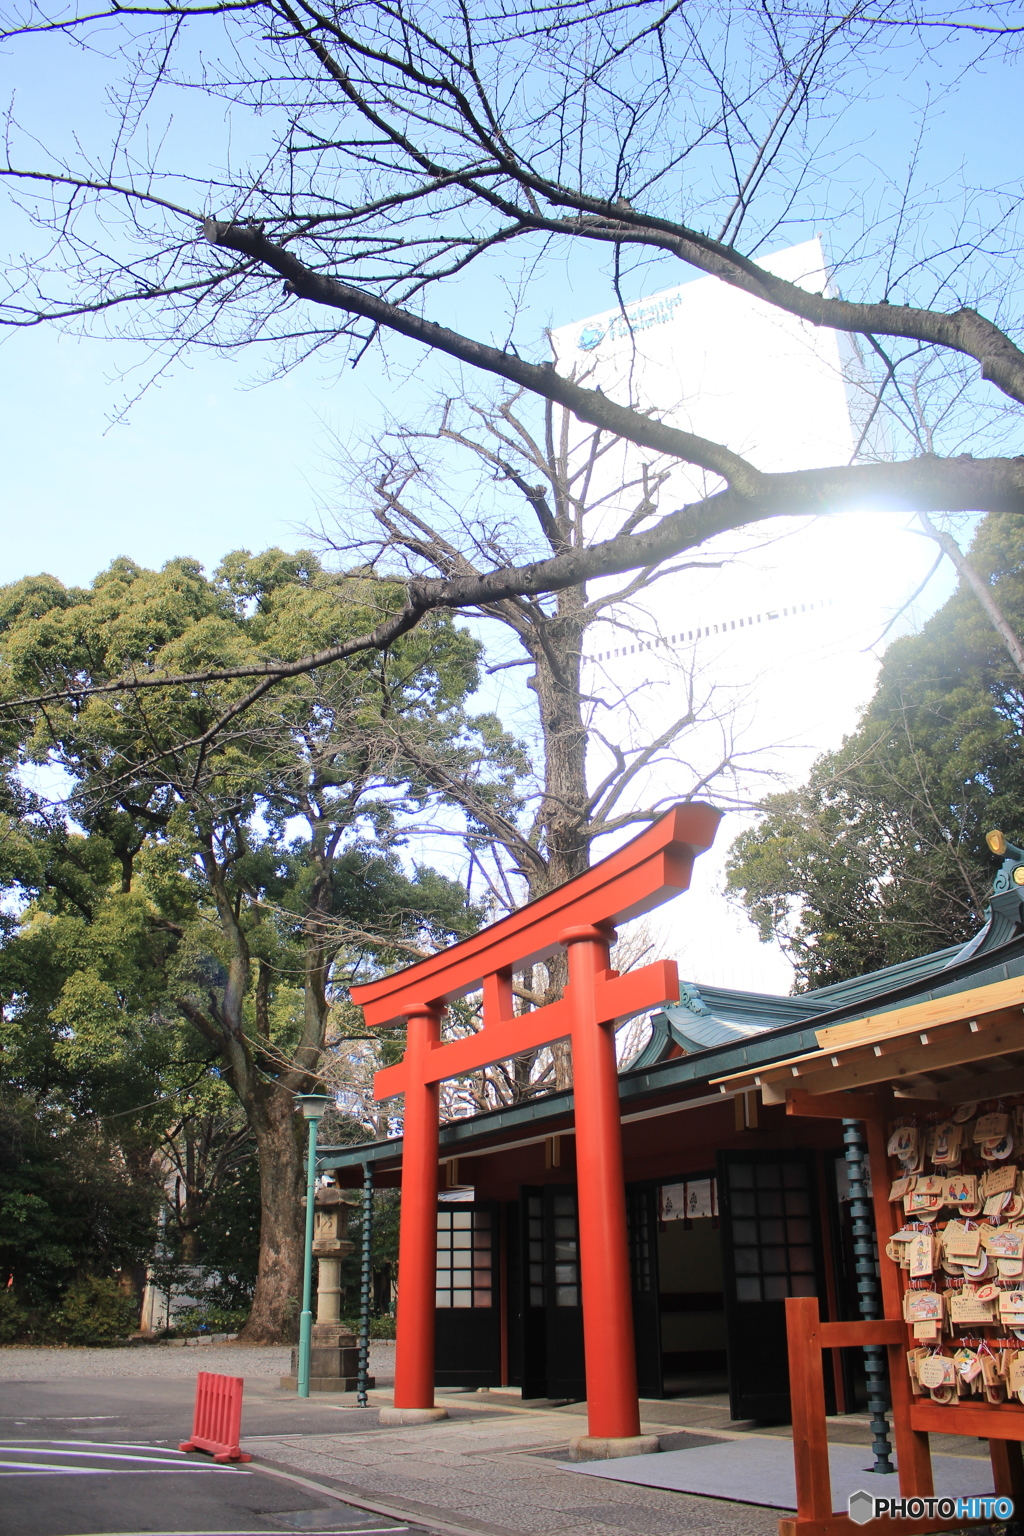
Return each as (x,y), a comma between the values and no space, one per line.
(645,872)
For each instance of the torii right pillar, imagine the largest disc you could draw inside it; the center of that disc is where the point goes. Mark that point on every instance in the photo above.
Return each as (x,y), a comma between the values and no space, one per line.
(613,1409)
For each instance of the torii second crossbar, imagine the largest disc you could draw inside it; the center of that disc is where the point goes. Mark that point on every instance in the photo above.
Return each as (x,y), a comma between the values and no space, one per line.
(580,916)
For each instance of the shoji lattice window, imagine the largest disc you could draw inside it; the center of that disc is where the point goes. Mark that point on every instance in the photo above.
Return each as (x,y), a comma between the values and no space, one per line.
(566,1244)
(535,1238)
(464,1257)
(773,1252)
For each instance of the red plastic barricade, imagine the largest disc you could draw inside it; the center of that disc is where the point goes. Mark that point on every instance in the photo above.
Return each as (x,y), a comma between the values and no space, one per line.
(218,1417)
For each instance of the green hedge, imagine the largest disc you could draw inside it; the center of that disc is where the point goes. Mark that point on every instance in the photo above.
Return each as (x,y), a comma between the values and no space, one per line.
(380,1327)
(92,1310)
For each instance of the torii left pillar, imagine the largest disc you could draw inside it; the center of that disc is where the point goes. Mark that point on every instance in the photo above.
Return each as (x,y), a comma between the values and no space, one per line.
(417,1238)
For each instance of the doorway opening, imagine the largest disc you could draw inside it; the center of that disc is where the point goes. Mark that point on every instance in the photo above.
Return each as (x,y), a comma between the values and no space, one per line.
(692,1306)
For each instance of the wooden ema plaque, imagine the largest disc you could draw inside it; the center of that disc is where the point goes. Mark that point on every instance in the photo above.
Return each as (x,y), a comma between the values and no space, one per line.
(906,1310)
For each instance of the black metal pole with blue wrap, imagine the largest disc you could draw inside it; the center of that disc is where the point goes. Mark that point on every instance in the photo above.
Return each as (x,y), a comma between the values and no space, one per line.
(365,1288)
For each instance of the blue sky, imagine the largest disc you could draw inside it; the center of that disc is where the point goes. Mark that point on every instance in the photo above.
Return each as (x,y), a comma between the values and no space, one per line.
(209,459)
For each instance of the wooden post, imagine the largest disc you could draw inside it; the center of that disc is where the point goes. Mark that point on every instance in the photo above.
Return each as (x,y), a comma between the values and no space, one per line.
(807,1394)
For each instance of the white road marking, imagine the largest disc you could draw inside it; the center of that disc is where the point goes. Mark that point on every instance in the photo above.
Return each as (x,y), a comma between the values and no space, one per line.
(59,1453)
(93,1454)
(30,1469)
(96,1445)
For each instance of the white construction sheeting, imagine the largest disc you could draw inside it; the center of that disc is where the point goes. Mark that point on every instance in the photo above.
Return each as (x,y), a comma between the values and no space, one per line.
(774,632)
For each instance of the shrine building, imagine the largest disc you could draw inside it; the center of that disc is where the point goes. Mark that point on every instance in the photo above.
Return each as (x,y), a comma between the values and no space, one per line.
(732,1204)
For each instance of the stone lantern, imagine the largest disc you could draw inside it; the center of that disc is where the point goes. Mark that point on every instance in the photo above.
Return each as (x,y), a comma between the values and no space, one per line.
(334,1355)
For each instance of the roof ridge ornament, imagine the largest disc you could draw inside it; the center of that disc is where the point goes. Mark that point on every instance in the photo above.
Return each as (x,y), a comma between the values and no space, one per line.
(690,998)
(1011,870)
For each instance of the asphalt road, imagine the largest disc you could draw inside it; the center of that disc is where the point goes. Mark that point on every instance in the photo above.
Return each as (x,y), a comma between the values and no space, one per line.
(85,1456)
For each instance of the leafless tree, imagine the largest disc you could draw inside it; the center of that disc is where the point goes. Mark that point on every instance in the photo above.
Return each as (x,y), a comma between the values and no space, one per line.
(504,478)
(204,1148)
(541,489)
(399,146)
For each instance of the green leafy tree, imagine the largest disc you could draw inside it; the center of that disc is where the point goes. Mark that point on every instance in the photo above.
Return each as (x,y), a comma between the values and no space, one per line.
(881,855)
(257,858)
(71,1210)
(87,1054)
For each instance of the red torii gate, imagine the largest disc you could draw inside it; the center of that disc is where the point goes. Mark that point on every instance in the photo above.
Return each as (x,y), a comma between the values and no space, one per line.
(580,916)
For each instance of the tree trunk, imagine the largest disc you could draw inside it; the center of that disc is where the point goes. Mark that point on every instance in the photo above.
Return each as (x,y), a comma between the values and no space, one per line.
(280,1145)
(564,814)
(276,1304)
(270,1110)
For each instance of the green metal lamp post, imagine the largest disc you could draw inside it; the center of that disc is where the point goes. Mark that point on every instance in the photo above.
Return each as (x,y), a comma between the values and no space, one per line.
(313,1106)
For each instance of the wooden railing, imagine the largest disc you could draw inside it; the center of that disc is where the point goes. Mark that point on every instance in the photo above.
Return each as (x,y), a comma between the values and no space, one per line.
(912,1422)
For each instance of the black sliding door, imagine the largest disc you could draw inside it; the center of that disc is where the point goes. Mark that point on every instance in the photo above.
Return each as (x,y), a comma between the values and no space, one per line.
(531,1317)
(771,1249)
(642,1213)
(467,1312)
(549,1317)
(566,1375)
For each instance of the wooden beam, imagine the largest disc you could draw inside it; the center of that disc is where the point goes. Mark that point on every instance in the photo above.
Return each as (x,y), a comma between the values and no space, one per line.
(798,1067)
(1005,1422)
(753,1077)
(919,1086)
(842,1525)
(792,1068)
(814,1065)
(938,1053)
(856,1335)
(939,1010)
(831,1106)
(984,1084)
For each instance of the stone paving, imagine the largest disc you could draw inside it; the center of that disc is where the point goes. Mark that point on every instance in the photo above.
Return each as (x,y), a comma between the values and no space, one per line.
(499,1478)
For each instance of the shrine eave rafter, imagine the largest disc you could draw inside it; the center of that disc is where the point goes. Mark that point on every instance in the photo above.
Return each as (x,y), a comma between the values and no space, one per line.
(968,1044)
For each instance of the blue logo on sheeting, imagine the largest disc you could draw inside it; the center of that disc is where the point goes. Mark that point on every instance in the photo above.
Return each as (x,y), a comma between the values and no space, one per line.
(590,338)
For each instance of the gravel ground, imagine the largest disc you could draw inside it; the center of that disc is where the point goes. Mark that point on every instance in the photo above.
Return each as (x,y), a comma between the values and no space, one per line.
(19,1363)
